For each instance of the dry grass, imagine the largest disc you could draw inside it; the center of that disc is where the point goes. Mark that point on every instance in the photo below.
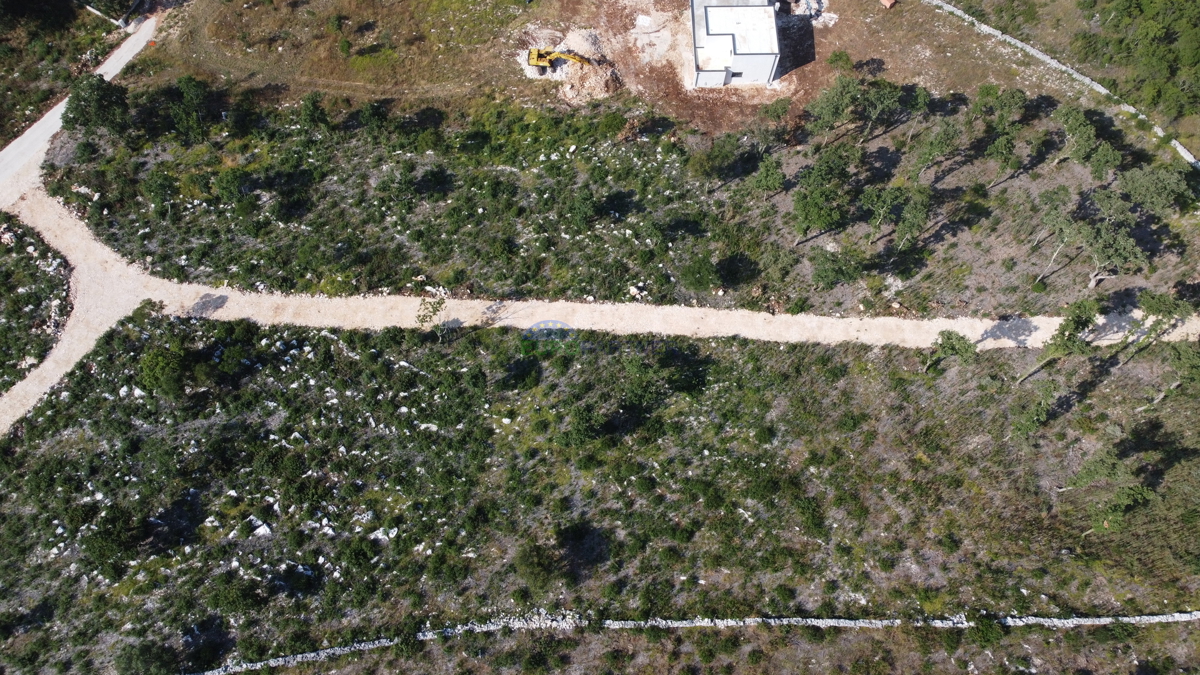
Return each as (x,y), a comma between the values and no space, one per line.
(452,52)
(451,49)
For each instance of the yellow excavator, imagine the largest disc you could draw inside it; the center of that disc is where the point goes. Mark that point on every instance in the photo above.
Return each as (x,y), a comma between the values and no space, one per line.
(542,58)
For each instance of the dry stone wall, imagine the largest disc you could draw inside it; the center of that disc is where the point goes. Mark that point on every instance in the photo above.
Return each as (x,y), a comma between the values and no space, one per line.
(1058,65)
(566,621)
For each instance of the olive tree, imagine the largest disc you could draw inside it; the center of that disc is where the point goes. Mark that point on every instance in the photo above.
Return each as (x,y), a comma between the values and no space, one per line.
(95,103)
(1161,313)
(1157,189)
(833,107)
(938,146)
(1071,336)
(951,343)
(1107,238)
(878,102)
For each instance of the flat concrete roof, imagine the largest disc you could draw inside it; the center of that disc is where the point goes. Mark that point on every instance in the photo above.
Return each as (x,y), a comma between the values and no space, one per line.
(723,28)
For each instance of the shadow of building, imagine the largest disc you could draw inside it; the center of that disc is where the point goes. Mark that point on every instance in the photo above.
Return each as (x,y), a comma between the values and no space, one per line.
(797,45)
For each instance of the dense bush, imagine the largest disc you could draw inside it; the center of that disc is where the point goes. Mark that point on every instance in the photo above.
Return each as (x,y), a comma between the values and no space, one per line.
(43,45)
(34,300)
(831,269)
(1158,44)
(146,658)
(96,103)
(344,475)
(370,202)
(502,201)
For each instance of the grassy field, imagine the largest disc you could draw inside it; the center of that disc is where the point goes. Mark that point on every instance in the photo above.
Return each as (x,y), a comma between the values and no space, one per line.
(43,46)
(197,491)
(34,304)
(448,50)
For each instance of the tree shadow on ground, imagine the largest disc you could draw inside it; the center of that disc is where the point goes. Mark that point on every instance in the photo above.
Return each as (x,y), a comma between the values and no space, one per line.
(737,269)
(296,580)
(680,227)
(1055,141)
(583,548)
(369,50)
(1133,155)
(688,367)
(523,373)
(1152,436)
(206,643)
(435,183)
(619,204)
(970,213)
(870,67)
(949,105)
(655,125)
(176,525)
(881,164)
(904,264)
(425,118)
(1039,107)
(1188,292)
(1016,329)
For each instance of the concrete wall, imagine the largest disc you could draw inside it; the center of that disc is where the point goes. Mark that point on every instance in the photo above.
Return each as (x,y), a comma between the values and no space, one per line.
(755,68)
(712,78)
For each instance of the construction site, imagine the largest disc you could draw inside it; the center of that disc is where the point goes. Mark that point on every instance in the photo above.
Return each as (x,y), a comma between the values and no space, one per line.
(557,336)
(647,49)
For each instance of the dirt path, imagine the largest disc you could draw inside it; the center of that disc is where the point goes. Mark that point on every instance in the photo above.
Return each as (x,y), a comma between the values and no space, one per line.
(105,288)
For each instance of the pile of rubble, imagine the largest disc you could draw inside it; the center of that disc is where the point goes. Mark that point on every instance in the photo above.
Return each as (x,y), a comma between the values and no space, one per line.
(581,83)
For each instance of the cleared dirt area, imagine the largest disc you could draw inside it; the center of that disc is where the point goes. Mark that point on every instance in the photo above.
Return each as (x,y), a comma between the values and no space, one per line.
(449,53)
(911,43)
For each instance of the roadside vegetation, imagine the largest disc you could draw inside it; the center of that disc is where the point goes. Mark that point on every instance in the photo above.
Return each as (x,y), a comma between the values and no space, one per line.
(44,45)
(200,491)
(893,201)
(1147,53)
(34,300)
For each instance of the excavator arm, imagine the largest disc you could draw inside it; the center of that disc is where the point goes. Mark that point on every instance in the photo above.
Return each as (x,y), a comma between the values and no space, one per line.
(544,57)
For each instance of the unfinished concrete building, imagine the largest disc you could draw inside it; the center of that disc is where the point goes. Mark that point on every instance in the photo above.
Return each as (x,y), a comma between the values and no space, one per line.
(734,42)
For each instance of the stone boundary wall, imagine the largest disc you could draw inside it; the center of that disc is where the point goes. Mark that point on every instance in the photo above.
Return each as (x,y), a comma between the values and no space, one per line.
(567,621)
(1058,65)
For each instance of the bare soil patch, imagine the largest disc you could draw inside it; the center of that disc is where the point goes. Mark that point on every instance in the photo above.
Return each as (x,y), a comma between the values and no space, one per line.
(649,44)
(581,82)
(450,53)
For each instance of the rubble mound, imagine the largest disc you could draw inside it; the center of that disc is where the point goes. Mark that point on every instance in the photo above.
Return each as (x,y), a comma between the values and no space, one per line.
(581,83)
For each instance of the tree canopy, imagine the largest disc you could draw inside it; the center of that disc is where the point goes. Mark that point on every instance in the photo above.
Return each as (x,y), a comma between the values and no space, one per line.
(190,112)
(1156,43)
(1158,189)
(823,196)
(833,107)
(95,103)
